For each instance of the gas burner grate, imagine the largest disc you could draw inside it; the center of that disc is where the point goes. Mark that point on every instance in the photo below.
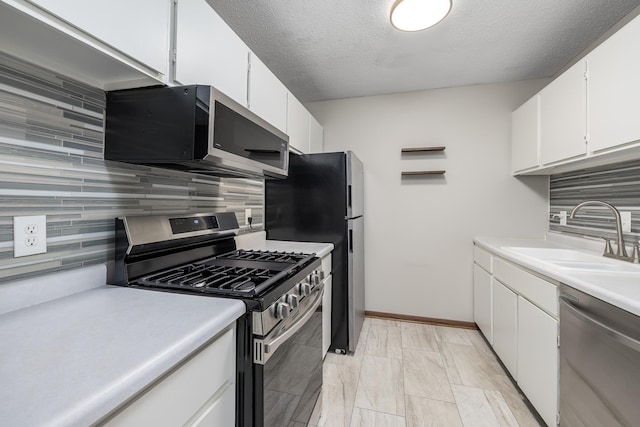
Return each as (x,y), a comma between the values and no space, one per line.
(211,278)
(241,272)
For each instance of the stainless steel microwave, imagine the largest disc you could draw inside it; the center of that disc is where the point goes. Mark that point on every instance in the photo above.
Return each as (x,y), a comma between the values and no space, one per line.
(192,128)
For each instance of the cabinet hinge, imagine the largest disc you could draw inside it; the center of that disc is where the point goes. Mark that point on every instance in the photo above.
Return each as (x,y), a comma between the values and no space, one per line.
(558,418)
(586,75)
(558,341)
(174,55)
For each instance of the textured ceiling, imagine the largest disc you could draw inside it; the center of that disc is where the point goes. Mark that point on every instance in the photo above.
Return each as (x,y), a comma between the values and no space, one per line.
(330,49)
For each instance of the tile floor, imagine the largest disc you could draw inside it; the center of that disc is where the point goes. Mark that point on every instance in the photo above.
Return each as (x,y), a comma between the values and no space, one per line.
(408,375)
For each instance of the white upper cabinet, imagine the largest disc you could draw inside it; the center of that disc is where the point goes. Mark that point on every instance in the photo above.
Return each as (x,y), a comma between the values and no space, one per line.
(105,44)
(614,89)
(563,116)
(297,124)
(267,95)
(138,28)
(525,136)
(316,136)
(208,52)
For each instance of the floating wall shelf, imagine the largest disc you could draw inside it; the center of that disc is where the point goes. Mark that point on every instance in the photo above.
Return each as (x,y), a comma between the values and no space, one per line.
(421,149)
(418,173)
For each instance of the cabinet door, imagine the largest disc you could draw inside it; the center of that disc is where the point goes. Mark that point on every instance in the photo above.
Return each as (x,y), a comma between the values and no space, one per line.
(316,136)
(614,89)
(563,116)
(137,28)
(482,301)
(538,359)
(326,315)
(208,52)
(525,136)
(297,124)
(267,95)
(505,308)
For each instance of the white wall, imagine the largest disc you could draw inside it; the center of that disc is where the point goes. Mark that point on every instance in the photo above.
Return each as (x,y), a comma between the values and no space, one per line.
(419,233)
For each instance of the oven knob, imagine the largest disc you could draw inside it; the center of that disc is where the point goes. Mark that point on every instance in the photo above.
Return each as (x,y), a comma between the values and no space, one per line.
(282,310)
(292,300)
(305,289)
(314,279)
(310,279)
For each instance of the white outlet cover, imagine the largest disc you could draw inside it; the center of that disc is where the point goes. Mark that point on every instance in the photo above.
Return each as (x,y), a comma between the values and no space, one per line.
(563,217)
(247,215)
(21,227)
(626,221)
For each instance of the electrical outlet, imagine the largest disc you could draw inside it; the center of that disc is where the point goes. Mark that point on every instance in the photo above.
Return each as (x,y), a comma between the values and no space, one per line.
(247,215)
(626,221)
(563,217)
(29,235)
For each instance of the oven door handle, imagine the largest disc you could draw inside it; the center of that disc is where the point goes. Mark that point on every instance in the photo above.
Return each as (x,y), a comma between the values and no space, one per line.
(612,333)
(264,348)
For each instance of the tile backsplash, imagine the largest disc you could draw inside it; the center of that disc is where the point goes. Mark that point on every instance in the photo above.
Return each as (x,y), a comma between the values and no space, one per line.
(617,184)
(51,141)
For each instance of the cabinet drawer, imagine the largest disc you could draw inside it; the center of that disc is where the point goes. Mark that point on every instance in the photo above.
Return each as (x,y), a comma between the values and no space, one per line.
(217,411)
(483,259)
(180,395)
(540,292)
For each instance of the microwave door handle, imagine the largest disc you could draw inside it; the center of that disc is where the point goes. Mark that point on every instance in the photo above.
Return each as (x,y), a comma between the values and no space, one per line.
(611,333)
(261,151)
(270,345)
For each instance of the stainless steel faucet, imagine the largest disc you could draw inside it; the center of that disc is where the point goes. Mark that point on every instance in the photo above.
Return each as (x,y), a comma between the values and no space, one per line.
(621,250)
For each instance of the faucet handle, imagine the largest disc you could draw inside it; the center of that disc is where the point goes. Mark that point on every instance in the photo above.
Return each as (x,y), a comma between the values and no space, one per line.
(635,256)
(608,250)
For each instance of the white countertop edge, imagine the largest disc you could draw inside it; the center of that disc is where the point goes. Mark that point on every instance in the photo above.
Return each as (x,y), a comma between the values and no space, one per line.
(609,287)
(102,406)
(106,396)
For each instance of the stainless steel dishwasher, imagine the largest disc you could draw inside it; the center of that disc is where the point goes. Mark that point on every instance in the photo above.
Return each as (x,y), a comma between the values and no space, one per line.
(599,362)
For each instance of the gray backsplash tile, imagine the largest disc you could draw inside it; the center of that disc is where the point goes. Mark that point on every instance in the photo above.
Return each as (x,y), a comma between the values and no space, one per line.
(50,163)
(617,184)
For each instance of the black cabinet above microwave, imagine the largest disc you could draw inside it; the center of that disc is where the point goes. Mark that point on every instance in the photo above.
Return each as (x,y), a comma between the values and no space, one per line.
(195,129)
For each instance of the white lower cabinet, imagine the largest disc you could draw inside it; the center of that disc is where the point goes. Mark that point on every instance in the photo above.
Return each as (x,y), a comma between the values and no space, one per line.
(482,313)
(505,318)
(326,303)
(538,359)
(523,309)
(200,392)
(326,315)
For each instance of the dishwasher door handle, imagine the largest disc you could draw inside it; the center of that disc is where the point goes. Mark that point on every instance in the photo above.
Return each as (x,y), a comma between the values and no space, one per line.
(607,330)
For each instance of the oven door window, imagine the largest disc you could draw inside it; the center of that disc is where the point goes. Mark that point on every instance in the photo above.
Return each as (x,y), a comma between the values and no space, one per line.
(293,376)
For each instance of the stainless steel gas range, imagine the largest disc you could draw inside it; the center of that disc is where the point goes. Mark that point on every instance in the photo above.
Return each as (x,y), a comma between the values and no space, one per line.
(279,340)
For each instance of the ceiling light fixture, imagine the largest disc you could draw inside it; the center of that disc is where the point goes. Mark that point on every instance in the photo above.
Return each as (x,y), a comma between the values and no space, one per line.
(416,15)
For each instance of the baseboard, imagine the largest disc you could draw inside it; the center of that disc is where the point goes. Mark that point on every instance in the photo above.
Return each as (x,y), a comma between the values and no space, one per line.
(420,319)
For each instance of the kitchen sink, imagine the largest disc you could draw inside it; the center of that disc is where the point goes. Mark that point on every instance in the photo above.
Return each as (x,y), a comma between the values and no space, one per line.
(571,259)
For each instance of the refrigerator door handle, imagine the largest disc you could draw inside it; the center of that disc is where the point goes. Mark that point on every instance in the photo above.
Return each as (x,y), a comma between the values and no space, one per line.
(351,240)
(349,196)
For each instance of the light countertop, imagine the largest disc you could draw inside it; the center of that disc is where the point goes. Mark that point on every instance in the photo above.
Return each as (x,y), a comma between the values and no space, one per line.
(73,360)
(619,289)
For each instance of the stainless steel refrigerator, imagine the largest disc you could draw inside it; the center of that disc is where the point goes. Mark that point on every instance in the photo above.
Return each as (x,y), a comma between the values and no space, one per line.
(322,200)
